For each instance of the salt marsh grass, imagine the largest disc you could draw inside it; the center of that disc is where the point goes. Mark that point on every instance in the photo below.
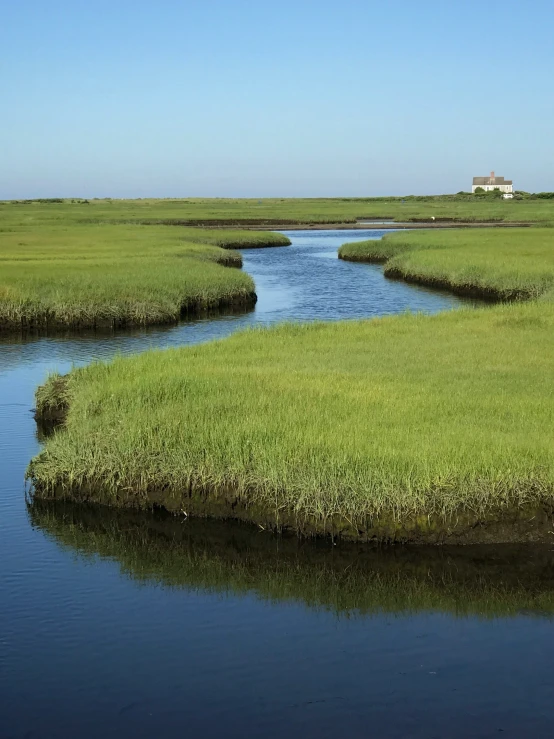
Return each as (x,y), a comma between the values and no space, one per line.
(335,424)
(97,275)
(504,264)
(275,211)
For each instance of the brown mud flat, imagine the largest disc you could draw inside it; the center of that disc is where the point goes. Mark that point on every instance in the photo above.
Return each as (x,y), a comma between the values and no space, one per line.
(47,325)
(271,224)
(223,223)
(378,226)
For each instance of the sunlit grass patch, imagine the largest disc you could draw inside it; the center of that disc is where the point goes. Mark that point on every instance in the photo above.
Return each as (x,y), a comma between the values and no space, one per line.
(88,276)
(332,424)
(505,264)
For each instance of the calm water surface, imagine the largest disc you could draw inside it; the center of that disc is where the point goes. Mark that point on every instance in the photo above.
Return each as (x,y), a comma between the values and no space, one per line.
(125,625)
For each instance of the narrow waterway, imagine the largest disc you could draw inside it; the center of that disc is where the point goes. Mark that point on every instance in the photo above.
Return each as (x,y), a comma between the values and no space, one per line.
(132,625)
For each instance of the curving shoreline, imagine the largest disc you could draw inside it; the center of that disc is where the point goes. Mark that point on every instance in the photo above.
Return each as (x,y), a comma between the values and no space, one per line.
(213,555)
(510,523)
(491,266)
(399,429)
(412,439)
(115,277)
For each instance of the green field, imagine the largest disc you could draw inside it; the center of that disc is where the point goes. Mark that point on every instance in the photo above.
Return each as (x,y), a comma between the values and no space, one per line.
(273,211)
(344,427)
(91,275)
(405,428)
(214,557)
(508,264)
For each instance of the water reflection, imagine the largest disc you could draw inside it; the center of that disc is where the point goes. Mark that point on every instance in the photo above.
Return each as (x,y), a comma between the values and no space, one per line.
(120,624)
(236,559)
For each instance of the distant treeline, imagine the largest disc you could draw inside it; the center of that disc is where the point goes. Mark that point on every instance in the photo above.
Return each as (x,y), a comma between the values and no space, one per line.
(47,201)
(518,195)
(459,196)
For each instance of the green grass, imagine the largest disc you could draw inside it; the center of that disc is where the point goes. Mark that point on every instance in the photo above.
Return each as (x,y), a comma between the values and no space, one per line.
(274,211)
(505,264)
(374,250)
(81,276)
(323,426)
(202,556)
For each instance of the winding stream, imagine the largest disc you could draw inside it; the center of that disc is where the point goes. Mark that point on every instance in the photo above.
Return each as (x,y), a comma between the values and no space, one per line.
(116,624)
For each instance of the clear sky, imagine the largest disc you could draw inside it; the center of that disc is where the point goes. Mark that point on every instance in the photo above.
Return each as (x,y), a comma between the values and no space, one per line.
(136,98)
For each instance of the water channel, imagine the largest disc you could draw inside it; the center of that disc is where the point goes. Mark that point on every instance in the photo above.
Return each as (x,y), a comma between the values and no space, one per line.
(117,624)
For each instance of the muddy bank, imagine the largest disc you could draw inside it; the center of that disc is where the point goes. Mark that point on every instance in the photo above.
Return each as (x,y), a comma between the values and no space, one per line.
(487,294)
(532,524)
(362,259)
(47,325)
(271,224)
(468,291)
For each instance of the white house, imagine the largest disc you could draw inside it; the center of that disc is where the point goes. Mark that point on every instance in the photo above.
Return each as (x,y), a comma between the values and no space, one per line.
(494,183)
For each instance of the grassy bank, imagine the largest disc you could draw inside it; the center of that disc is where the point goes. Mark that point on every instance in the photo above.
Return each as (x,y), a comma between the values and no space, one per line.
(87,276)
(214,557)
(508,265)
(275,212)
(406,427)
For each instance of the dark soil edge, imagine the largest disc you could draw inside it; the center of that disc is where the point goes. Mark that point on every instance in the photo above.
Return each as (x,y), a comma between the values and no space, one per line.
(533,523)
(269,224)
(480,292)
(363,260)
(469,291)
(46,324)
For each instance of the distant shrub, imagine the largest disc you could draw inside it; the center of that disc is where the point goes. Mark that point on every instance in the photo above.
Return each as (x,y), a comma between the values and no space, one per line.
(489,194)
(29,201)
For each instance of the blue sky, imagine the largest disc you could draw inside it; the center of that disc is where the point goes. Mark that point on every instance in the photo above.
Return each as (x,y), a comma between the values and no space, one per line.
(289,98)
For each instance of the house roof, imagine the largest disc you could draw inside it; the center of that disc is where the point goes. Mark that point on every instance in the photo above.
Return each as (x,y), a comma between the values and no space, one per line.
(491,181)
